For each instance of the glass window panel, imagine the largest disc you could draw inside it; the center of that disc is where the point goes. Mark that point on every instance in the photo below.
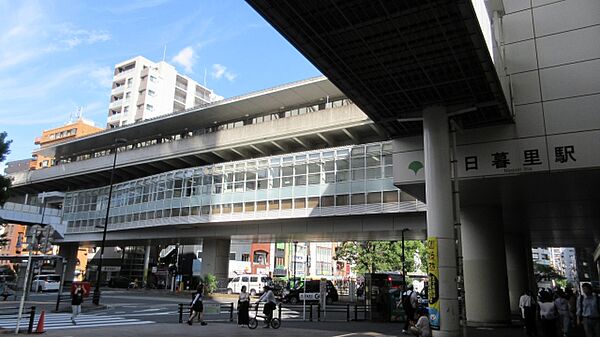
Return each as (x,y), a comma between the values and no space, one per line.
(287,181)
(250,185)
(313,202)
(249,206)
(342,176)
(301,169)
(314,179)
(374,198)
(287,171)
(327,201)
(217,189)
(300,180)
(390,196)
(275,172)
(215,209)
(387,147)
(358,174)
(262,174)
(358,151)
(195,210)
(263,184)
(273,205)
(177,193)
(329,178)
(238,207)
(150,215)
(341,200)
(358,162)
(387,159)
(373,160)
(388,172)
(374,149)
(175,212)
(239,176)
(329,165)
(226,208)
(358,199)
(286,204)
(276,182)
(300,203)
(261,205)
(185,211)
(239,187)
(205,210)
(374,173)
(250,176)
(342,164)
(314,168)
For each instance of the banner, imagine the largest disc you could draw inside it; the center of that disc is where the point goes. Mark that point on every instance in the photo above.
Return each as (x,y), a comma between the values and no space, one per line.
(434,285)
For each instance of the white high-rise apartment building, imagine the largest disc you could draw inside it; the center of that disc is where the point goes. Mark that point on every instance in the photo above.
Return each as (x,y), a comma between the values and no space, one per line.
(142,89)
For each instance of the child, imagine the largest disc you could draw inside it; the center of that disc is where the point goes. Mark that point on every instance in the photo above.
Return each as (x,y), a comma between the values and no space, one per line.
(421,328)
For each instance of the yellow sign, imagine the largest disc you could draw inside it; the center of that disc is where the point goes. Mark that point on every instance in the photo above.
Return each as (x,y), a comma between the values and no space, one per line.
(434,282)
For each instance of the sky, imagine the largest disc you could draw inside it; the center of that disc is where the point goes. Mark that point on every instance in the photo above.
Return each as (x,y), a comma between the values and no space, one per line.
(58,55)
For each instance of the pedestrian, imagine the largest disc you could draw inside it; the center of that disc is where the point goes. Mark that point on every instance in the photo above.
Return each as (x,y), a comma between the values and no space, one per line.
(409,304)
(527,305)
(243,306)
(548,315)
(270,304)
(588,311)
(564,316)
(76,300)
(421,328)
(4,289)
(197,307)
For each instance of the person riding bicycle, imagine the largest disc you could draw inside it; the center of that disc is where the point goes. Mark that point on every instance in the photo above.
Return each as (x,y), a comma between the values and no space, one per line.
(270,304)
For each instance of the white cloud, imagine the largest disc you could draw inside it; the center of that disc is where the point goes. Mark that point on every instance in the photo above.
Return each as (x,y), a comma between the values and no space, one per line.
(186,59)
(220,71)
(69,37)
(102,76)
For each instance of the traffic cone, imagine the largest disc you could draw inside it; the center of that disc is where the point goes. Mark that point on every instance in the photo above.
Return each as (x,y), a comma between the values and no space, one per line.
(40,325)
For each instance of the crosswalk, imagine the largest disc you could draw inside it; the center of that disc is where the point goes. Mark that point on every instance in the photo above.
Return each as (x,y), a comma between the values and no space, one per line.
(56,321)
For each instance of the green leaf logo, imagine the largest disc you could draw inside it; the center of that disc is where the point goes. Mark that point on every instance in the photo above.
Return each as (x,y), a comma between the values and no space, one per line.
(415,166)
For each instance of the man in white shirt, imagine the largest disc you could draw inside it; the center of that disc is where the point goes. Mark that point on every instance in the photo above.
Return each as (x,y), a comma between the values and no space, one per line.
(527,305)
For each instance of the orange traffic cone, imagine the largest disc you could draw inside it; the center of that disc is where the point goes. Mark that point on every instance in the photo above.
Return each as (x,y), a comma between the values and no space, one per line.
(40,325)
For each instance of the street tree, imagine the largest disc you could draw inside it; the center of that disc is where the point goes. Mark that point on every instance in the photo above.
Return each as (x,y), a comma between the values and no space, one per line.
(382,256)
(5,183)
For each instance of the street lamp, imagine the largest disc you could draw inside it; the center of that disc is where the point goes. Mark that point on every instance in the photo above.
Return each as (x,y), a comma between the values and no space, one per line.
(96,296)
(404,259)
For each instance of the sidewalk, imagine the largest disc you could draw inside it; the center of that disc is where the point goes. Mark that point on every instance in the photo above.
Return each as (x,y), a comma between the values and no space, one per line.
(288,329)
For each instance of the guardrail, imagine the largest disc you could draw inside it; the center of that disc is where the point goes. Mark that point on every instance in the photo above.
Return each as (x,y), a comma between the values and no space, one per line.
(13,313)
(209,309)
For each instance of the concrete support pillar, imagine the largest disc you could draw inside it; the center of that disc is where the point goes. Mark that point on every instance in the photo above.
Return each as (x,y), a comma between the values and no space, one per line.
(486,284)
(215,258)
(146,264)
(440,222)
(69,252)
(516,267)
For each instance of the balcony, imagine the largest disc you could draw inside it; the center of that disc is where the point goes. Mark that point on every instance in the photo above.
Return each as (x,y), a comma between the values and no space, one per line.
(118,90)
(181,86)
(115,104)
(114,117)
(123,73)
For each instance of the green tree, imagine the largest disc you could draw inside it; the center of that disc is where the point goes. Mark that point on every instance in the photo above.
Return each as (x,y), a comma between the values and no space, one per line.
(210,283)
(380,256)
(5,183)
(547,273)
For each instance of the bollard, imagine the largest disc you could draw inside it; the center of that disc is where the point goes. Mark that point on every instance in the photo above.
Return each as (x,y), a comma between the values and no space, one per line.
(31,318)
(279,314)
(180,312)
(347,312)
(318,312)
(231,312)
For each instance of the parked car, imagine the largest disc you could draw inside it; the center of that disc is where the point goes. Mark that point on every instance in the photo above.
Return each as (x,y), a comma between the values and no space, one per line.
(254,283)
(45,283)
(296,295)
(119,282)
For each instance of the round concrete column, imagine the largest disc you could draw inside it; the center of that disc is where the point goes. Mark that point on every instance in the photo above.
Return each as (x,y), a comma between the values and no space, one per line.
(486,285)
(146,264)
(516,268)
(440,222)
(69,252)
(215,258)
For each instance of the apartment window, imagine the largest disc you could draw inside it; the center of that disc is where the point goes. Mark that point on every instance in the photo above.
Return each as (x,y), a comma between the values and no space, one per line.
(149,107)
(151,93)
(153,79)
(126,109)
(129,82)
(127,95)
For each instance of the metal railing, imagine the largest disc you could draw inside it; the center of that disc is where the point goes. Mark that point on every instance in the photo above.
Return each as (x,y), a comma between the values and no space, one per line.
(223,308)
(13,313)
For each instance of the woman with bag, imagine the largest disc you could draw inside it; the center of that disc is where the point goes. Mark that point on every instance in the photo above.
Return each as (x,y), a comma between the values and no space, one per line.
(243,306)
(548,315)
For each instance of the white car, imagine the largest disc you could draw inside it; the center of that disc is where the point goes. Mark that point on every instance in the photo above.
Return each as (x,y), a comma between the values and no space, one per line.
(45,283)
(253,282)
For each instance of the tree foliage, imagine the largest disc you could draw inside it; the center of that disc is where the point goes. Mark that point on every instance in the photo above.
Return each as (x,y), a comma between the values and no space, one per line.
(382,256)
(4,181)
(547,273)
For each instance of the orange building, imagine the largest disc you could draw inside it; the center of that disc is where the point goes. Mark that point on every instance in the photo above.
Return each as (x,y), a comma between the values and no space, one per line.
(16,236)
(260,258)
(80,128)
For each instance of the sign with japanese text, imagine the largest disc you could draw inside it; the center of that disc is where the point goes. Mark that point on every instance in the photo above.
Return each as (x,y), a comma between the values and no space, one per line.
(434,285)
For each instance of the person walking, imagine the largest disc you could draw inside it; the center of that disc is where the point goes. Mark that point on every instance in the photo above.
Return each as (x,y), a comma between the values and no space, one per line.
(421,328)
(76,300)
(527,306)
(564,316)
(270,304)
(409,304)
(243,306)
(588,311)
(197,307)
(548,315)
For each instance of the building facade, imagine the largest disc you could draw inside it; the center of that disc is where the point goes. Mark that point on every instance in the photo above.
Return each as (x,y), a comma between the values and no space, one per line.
(142,89)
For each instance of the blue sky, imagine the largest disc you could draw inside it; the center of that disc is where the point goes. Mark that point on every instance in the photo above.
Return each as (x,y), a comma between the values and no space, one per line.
(58,55)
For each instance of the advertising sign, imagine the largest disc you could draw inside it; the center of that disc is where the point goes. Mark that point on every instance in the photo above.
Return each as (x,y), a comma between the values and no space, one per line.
(212,308)
(434,285)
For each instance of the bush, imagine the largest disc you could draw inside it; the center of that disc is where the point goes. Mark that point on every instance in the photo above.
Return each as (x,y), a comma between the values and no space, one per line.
(210,283)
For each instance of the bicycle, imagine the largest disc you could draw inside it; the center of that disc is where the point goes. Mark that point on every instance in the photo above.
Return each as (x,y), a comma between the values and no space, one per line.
(253,322)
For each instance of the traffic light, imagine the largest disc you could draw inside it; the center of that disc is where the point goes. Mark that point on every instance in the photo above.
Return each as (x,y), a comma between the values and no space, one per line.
(45,243)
